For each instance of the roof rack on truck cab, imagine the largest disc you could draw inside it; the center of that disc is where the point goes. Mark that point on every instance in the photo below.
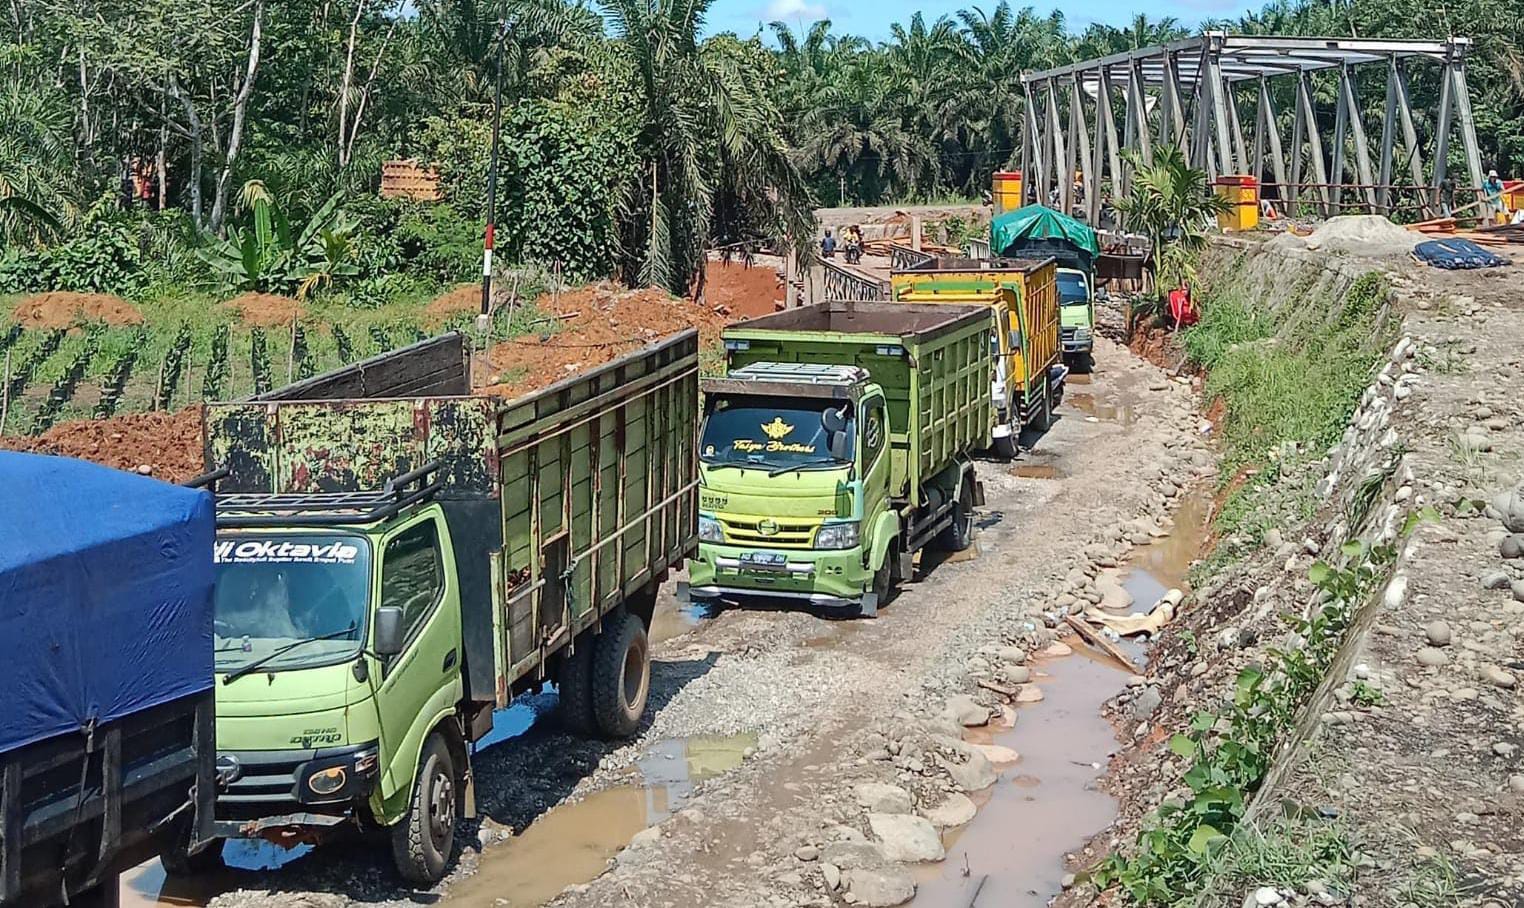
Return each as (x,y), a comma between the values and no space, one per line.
(315,509)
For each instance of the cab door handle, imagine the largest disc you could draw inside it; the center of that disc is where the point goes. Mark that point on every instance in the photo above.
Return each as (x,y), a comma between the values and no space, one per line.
(449,660)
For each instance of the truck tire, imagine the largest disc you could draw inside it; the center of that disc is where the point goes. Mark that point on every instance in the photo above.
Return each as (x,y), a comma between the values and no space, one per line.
(1007,448)
(1043,421)
(575,683)
(621,678)
(424,839)
(175,854)
(959,534)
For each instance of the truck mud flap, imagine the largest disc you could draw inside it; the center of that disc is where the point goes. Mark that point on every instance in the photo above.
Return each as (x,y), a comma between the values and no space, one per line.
(978,494)
(681,593)
(869,606)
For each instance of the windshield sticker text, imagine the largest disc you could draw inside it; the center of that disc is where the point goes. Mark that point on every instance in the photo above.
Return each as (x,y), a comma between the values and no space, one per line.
(747,446)
(266,551)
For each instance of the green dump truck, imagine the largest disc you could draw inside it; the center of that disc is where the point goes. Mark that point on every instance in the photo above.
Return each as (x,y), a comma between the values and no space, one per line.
(837,446)
(398,558)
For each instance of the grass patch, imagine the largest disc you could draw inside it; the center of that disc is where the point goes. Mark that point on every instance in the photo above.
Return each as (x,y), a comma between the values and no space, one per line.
(1285,853)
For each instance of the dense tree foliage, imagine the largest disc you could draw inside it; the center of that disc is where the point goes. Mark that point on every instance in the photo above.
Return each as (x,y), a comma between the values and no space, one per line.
(632,142)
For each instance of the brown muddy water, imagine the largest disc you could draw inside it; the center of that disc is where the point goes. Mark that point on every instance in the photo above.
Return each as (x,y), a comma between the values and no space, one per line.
(572,843)
(1045,805)
(1098,405)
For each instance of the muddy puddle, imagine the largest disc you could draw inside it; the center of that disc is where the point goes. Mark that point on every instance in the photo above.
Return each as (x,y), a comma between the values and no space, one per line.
(673,619)
(567,845)
(1045,805)
(572,843)
(1152,570)
(1097,405)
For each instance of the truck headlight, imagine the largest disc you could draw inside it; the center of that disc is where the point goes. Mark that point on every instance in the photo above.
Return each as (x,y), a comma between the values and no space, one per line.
(328,781)
(710,530)
(836,536)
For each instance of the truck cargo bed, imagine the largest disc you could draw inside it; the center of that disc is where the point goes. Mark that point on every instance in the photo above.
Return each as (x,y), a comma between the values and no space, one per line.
(561,503)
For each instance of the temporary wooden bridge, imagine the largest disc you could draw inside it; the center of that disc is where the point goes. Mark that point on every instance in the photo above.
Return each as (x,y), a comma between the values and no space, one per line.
(1188,94)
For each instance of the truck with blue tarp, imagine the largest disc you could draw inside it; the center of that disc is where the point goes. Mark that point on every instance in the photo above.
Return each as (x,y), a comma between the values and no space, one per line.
(106,741)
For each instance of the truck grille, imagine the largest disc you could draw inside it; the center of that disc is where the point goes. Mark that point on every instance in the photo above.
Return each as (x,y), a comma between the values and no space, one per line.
(789,534)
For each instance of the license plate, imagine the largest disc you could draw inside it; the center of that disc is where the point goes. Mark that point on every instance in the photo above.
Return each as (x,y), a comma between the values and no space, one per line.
(764,561)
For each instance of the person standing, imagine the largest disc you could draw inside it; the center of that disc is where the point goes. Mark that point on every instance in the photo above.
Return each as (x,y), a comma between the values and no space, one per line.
(828,244)
(1492,192)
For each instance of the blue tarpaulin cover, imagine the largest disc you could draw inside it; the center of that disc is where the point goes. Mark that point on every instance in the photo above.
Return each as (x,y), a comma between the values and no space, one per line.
(105,595)
(1456,255)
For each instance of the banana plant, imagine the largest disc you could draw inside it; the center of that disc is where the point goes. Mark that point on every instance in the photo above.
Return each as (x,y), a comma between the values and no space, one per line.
(268,255)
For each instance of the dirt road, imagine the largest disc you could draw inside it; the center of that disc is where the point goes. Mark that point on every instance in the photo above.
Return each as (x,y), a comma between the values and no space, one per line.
(778,740)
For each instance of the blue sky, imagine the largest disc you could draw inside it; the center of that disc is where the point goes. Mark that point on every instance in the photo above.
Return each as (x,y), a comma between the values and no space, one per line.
(872,18)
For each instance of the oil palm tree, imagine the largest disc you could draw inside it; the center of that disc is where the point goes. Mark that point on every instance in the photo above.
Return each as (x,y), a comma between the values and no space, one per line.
(36,155)
(707,134)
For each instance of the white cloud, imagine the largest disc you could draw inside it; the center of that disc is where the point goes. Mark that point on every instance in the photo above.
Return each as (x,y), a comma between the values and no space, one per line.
(792,10)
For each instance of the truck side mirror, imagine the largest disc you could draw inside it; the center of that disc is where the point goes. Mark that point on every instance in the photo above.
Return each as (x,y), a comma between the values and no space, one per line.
(388,630)
(834,420)
(838,443)
(1015,340)
(1103,294)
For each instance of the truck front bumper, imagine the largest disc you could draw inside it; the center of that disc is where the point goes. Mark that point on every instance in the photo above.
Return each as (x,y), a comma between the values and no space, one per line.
(1077,340)
(265,790)
(827,577)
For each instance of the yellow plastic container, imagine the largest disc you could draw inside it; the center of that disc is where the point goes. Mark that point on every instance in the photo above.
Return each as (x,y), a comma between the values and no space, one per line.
(1241,192)
(1007,191)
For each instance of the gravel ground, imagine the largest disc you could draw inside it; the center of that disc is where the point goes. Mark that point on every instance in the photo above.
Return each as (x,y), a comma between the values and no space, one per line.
(826,704)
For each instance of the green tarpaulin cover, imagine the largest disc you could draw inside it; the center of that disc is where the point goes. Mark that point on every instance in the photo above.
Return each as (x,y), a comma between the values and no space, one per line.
(1035,222)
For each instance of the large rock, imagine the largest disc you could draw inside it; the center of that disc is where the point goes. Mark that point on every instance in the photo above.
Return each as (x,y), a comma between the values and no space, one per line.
(967,711)
(956,810)
(880,887)
(906,838)
(1509,508)
(852,855)
(1438,633)
(878,797)
(1146,703)
(1512,546)
(970,770)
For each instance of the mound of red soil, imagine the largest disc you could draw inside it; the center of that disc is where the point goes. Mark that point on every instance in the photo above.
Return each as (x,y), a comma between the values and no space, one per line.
(265,310)
(460,298)
(62,309)
(167,444)
(741,291)
(598,323)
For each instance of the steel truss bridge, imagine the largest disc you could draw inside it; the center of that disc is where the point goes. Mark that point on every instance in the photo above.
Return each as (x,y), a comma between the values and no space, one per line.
(1190,94)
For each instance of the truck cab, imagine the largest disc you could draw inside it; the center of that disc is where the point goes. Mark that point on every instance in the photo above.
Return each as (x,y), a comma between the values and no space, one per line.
(1076,308)
(836,446)
(339,666)
(793,466)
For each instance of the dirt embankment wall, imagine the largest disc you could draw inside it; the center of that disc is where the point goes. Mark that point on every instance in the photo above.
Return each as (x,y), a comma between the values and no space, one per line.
(1312,469)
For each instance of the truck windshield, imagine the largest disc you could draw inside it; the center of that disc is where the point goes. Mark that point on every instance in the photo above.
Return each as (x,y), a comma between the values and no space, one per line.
(273,590)
(757,431)
(1071,288)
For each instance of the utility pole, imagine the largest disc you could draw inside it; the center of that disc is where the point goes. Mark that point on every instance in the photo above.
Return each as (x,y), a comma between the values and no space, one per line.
(484,318)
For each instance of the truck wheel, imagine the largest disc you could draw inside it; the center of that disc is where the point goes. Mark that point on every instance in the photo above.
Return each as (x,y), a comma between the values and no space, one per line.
(575,683)
(1044,419)
(424,839)
(621,675)
(959,535)
(176,857)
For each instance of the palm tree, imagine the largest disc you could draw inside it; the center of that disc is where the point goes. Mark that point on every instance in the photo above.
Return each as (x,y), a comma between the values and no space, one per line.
(36,162)
(857,134)
(1172,204)
(708,139)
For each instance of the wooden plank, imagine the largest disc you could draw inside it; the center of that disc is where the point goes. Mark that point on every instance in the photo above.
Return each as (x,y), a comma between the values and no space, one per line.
(11,832)
(1098,640)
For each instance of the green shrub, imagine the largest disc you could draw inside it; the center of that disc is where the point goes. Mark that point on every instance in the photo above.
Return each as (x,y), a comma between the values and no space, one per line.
(103,256)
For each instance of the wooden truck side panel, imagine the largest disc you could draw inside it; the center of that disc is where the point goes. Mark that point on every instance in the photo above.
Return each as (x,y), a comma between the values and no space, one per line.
(599,478)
